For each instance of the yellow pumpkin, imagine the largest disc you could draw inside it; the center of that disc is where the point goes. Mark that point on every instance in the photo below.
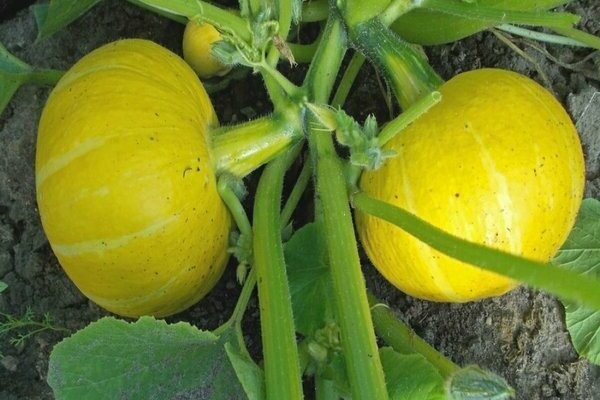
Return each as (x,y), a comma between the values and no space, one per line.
(126,186)
(198,39)
(497,162)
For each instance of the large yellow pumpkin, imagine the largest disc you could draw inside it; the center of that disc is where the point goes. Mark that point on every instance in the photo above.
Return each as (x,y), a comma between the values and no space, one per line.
(497,162)
(126,187)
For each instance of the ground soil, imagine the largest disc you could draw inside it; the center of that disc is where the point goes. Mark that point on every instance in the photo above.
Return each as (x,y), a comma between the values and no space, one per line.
(520,335)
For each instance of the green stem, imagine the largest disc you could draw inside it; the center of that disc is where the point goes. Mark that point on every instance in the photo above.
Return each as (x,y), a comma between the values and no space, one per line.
(282,369)
(315,11)
(296,194)
(321,75)
(158,11)
(348,79)
(352,309)
(563,283)
(501,16)
(405,68)
(303,53)
(217,16)
(235,207)
(45,77)
(411,114)
(240,149)
(541,36)
(401,338)
(277,78)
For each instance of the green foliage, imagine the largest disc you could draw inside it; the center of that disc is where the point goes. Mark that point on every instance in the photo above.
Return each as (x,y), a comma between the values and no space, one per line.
(309,278)
(147,359)
(54,16)
(3,286)
(581,253)
(411,376)
(474,383)
(13,73)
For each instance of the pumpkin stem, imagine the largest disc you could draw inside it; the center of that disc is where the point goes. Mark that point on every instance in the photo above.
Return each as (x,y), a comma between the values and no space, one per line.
(240,149)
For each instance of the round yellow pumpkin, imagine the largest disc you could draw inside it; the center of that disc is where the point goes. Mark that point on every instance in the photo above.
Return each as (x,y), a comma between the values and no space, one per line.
(198,39)
(126,186)
(497,162)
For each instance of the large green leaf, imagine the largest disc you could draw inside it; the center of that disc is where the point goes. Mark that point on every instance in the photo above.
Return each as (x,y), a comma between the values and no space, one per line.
(13,73)
(149,359)
(3,286)
(53,17)
(186,8)
(309,278)
(581,253)
(411,376)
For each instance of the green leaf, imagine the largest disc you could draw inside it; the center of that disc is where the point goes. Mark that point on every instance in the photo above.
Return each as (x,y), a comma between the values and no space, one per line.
(3,286)
(13,73)
(148,359)
(249,374)
(186,8)
(411,376)
(474,383)
(581,253)
(60,13)
(309,279)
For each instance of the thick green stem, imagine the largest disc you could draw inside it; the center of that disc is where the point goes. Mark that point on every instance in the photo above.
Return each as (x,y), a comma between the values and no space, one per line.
(561,282)
(405,68)
(282,368)
(240,149)
(401,338)
(352,309)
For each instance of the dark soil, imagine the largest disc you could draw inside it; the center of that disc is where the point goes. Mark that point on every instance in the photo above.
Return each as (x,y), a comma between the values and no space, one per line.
(521,336)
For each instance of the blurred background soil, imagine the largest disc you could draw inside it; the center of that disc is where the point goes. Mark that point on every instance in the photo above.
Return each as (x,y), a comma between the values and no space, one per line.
(520,336)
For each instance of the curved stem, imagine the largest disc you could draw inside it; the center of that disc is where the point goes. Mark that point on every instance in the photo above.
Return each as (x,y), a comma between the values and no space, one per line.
(303,53)
(282,369)
(546,276)
(403,339)
(315,10)
(296,194)
(240,149)
(411,114)
(217,16)
(348,79)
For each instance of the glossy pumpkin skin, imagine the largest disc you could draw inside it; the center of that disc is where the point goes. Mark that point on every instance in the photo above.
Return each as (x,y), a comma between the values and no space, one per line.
(125,184)
(497,162)
(428,28)
(197,42)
